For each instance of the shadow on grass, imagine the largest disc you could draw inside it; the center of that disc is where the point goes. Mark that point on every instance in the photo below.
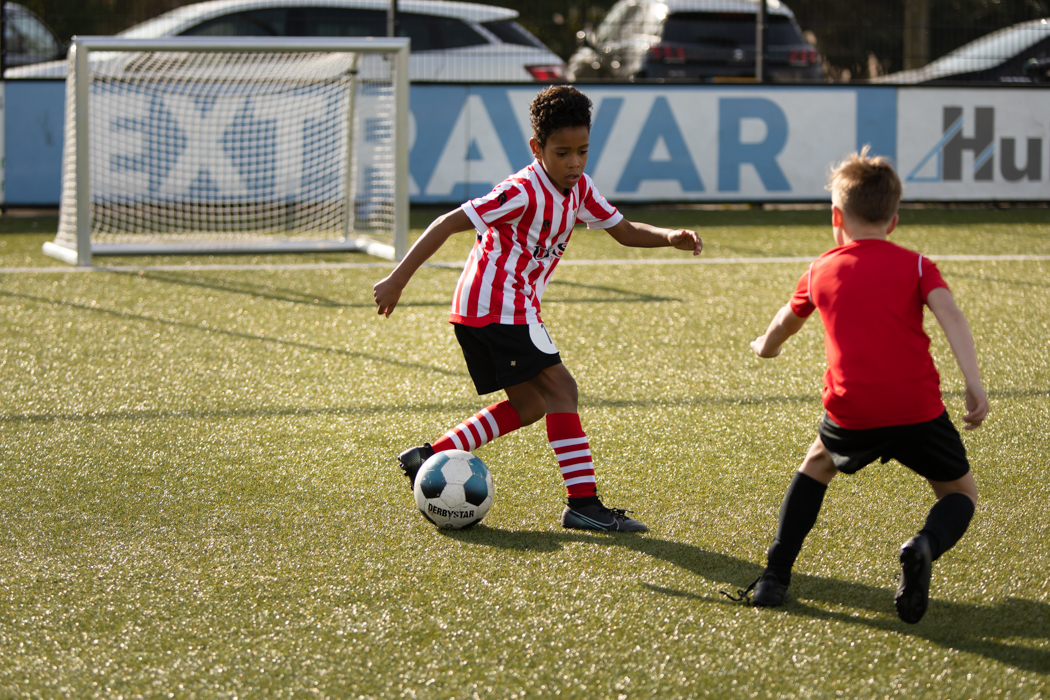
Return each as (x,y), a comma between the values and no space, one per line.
(237,335)
(293,296)
(971,628)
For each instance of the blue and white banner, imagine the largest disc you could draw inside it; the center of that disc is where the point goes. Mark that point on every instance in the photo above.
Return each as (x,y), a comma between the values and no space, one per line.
(974,144)
(682,143)
(679,143)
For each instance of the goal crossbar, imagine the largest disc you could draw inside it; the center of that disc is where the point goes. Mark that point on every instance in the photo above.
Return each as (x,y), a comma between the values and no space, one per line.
(393,243)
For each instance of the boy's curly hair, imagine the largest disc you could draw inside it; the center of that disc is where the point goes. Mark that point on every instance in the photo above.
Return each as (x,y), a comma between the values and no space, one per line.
(556,107)
(867,187)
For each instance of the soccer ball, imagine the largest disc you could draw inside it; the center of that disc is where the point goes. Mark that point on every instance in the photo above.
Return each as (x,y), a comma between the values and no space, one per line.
(454,489)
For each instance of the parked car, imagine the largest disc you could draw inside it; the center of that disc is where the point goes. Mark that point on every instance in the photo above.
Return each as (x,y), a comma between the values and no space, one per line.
(27,39)
(693,41)
(451,41)
(1016,54)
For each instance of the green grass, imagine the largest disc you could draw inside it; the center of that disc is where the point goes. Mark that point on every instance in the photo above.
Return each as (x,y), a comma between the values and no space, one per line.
(199,496)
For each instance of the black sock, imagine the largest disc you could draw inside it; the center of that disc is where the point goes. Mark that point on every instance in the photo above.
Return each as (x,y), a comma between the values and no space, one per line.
(798,514)
(947,522)
(585,501)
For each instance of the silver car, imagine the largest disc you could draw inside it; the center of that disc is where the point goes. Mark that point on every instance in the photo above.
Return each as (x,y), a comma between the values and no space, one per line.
(693,41)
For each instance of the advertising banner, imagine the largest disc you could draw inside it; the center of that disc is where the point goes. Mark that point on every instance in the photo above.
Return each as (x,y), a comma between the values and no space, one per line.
(667,143)
(974,144)
(674,143)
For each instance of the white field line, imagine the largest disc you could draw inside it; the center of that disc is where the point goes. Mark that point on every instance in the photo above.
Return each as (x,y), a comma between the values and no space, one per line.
(385,264)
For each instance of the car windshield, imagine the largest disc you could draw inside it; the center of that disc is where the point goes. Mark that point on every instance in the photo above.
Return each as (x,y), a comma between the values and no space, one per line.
(727,28)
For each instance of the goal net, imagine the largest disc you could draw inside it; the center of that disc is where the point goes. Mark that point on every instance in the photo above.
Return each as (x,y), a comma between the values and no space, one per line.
(234,145)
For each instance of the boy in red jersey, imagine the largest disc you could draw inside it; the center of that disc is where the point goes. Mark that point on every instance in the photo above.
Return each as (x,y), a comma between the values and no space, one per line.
(522,229)
(881,389)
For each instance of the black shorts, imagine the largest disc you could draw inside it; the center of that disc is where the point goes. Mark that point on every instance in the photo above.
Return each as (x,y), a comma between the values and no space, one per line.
(932,449)
(501,355)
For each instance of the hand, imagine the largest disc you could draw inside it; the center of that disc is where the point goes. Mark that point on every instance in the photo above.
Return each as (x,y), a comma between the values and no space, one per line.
(976,408)
(686,240)
(386,293)
(759,346)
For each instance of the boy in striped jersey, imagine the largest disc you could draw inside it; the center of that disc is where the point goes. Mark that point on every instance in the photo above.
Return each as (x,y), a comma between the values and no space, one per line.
(881,389)
(522,229)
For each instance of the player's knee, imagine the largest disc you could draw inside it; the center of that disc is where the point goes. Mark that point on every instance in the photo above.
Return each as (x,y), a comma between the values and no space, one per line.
(818,464)
(965,485)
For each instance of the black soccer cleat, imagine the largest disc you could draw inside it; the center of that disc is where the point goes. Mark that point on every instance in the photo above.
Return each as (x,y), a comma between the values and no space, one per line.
(769,591)
(412,459)
(595,516)
(913,591)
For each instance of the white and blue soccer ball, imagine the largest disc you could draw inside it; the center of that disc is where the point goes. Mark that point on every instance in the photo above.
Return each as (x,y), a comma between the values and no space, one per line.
(454,489)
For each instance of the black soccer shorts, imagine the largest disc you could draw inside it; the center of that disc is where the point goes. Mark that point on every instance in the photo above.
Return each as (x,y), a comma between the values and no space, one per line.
(501,355)
(933,450)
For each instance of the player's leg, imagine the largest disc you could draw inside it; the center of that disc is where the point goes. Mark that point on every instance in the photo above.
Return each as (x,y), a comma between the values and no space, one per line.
(480,429)
(935,451)
(584,511)
(950,516)
(798,514)
(496,356)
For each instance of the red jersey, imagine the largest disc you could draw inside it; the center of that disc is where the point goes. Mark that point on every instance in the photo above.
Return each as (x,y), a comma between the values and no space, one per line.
(871,295)
(523,227)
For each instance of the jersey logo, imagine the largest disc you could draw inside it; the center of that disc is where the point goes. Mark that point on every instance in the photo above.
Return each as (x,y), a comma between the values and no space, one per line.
(546,225)
(502,198)
(555,251)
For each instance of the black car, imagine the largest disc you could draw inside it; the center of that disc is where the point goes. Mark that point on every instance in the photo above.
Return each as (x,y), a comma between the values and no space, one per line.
(694,41)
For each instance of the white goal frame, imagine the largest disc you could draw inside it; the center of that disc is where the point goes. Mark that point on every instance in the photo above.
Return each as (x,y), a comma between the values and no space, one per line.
(393,245)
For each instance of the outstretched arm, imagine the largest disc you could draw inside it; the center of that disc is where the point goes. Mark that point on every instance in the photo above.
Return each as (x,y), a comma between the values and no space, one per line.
(639,235)
(957,330)
(387,291)
(784,325)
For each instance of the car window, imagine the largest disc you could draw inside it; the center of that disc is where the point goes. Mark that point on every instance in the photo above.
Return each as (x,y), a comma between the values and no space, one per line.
(430,33)
(427,32)
(270,22)
(652,20)
(28,37)
(337,21)
(630,23)
(510,32)
(727,28)
(612,25)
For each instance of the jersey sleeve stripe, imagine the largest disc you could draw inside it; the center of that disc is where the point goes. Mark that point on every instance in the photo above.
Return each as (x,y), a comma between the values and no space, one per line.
(475,218)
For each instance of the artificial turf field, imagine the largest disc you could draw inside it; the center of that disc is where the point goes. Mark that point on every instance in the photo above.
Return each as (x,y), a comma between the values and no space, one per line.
(199,499)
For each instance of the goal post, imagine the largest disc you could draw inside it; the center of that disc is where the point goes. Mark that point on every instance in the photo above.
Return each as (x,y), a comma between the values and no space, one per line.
(220,145)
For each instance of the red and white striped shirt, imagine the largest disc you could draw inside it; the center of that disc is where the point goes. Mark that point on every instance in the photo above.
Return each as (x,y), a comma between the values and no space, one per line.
(523,227)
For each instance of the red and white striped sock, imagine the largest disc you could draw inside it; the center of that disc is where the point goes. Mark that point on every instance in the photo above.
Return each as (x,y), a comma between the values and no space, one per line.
(573,451)
(480,429)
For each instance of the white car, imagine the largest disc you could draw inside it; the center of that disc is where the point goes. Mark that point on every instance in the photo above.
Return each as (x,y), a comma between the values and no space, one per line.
(1004,56)
(451,41)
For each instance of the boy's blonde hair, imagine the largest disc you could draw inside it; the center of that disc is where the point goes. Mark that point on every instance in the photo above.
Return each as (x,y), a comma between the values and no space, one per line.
(867,187)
